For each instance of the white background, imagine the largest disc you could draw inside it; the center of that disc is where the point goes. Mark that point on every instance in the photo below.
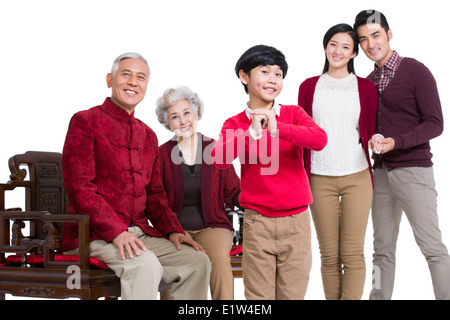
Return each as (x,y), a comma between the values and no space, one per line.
(55,56)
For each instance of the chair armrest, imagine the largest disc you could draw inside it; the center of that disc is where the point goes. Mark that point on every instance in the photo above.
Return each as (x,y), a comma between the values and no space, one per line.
(48,244)
(11,185)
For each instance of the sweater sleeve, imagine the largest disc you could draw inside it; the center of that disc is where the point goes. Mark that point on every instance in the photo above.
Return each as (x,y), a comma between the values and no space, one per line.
(304,132)
(371,105)
(428,107)
(231,144)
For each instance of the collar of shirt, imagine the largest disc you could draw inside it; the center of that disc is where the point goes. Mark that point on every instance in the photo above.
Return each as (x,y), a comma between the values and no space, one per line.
(393,63)
(276,109)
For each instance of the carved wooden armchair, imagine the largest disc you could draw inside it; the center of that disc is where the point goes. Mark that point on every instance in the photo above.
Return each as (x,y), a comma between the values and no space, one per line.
(32,264)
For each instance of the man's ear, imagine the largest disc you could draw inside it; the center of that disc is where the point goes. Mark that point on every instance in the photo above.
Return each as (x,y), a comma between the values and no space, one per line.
(243,76)
(109,80)
(390,35)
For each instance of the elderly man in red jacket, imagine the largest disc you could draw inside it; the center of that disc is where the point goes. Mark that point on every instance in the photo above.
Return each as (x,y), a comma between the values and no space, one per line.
(111,173)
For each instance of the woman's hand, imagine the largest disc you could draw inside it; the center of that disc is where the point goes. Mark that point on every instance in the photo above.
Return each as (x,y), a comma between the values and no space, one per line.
(179,238)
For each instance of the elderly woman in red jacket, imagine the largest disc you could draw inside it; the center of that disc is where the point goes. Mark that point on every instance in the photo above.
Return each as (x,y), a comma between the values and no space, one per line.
(197,190)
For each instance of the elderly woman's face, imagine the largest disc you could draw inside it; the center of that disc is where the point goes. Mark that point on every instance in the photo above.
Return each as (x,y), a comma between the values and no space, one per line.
(182,118)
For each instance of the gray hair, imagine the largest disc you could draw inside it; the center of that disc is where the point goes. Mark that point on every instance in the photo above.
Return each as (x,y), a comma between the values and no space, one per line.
(127,55)
(170,97)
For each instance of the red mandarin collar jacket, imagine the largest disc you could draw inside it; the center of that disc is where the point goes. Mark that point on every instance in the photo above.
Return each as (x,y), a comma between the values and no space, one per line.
(111,173)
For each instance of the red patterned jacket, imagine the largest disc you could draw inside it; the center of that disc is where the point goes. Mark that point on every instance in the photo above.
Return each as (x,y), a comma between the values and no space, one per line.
(218,187)
(111,173)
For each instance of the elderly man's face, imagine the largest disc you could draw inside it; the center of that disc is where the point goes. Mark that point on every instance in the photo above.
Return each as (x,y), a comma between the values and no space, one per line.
(128,83)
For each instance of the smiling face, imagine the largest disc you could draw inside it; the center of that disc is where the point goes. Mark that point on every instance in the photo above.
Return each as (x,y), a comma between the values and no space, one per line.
(182,119)
(374,41)
(129,83)
(339,51)
(264,84)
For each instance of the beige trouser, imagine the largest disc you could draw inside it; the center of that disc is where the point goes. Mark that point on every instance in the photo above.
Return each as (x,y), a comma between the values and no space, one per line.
(276,256)
(187,270)
(340,213)
(217,243)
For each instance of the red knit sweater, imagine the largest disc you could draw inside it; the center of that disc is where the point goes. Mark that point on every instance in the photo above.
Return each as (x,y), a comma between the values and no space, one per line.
(273,179)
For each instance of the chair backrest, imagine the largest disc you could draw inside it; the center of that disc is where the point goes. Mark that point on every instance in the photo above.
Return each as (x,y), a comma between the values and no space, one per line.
(44,189)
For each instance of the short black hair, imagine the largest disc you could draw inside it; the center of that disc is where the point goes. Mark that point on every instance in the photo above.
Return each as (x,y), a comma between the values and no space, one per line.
(260,55)
(371,16)
(341,28)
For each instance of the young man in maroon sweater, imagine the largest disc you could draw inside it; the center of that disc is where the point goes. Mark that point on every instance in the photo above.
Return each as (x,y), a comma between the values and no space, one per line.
(409,116)
(269,140)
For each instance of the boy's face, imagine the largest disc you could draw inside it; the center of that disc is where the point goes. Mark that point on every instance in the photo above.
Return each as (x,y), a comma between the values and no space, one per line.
(264,84)
(374,41)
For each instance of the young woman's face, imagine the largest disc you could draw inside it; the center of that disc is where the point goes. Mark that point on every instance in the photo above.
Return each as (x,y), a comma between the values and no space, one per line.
(339,50)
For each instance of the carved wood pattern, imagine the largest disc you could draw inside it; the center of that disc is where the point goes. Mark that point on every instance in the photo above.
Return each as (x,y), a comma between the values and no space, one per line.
(38,292)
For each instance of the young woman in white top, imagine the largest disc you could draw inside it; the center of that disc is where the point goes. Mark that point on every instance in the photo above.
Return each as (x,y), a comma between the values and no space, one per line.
(345,106)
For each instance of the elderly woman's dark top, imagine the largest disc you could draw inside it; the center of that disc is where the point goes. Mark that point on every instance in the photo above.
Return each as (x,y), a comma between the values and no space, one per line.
(217,188)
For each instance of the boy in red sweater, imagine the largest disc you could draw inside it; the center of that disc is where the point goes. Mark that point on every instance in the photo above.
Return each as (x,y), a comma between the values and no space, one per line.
(269,140)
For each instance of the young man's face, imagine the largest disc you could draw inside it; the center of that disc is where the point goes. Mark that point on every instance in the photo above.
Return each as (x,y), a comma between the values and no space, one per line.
(128,83)
(374,41)
(264,84)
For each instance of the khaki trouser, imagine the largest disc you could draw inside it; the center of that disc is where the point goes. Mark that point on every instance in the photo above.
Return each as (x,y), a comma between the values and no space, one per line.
(187,270)
(276,256)
(340,213)
(217,243)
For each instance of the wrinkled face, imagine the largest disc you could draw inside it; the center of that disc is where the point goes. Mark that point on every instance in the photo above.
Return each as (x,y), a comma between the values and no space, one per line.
(129,83)
(339,50)
(182,118)
(264,83)
(374,41)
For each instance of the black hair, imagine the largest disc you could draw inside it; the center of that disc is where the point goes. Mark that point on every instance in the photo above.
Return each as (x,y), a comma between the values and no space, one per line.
(260,55)
(371,16)
(338,29)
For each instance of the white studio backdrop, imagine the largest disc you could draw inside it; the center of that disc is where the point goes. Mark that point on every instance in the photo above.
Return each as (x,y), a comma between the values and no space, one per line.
(55,56)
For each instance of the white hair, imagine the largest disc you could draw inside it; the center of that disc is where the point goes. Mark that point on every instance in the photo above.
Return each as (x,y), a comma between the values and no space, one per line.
(170,97)
(127,55)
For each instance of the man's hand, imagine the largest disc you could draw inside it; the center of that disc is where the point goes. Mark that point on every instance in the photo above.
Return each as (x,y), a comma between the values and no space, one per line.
(128,241)
(380,145)
(179,238)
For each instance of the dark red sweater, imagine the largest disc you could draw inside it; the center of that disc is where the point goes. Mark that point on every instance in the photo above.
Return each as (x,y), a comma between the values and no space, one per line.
(409,111)
(368,103)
